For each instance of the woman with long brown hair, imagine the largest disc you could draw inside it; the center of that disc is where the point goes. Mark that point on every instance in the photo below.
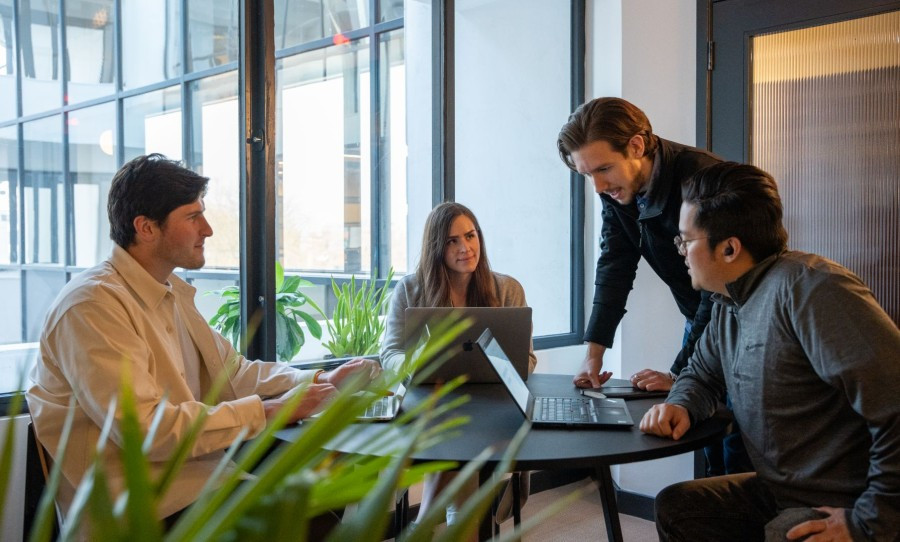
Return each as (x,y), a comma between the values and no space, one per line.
(453,271)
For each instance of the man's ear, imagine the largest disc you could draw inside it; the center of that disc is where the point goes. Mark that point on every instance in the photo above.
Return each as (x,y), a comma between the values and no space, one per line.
(145,229)
(732,249)
(636,145)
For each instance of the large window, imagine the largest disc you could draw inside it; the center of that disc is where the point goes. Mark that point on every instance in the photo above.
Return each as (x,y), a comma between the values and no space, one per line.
(89,85)
(360,91)
(70,118)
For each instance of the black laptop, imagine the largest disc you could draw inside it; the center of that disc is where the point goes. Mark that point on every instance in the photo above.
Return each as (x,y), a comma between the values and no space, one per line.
(510,325)
(573,411)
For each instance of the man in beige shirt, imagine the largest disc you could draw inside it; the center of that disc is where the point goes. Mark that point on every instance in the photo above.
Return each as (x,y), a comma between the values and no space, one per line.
(131,310)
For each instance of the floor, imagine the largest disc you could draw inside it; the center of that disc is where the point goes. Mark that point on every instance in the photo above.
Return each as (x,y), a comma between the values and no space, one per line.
(580,520)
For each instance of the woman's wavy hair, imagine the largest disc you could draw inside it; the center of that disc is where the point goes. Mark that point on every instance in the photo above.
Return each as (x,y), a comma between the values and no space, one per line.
(432,274)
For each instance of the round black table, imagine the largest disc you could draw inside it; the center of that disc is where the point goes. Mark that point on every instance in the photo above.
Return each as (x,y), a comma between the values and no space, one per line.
(494,420)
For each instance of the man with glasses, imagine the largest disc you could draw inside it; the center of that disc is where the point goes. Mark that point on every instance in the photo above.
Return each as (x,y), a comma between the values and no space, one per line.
(810,361)
(638,177)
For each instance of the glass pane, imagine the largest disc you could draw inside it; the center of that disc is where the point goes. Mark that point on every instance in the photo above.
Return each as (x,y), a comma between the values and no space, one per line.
(497,124)
(8,107)
(392,159)
(297,21)
(419,125)
(9,174)
(216,154)
(90,49)
(11,315)
(323,159)
(302,21)
(40,56)
(152,123)
(826,125)
(213,31)
(151,42)
(42,194)
(92,164)
(388,10)
(39,289)
(345,15)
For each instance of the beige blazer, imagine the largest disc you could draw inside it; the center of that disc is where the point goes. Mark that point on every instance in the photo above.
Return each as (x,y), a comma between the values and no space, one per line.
(115,321)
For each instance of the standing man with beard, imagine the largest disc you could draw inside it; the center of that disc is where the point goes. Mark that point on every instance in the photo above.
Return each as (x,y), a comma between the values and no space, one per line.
(638,177)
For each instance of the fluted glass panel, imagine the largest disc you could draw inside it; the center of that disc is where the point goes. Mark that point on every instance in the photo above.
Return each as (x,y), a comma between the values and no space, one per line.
(826,123)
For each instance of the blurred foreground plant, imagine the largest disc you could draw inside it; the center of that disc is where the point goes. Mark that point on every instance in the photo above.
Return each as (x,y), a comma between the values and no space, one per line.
(296,483)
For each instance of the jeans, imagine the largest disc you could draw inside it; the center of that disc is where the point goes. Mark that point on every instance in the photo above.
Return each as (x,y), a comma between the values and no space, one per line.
(735,508)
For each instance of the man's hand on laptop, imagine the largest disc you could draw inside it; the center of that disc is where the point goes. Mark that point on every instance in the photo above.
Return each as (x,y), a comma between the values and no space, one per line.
(589,375)
(315,398)
(666,420)
(366,368)
(651,380)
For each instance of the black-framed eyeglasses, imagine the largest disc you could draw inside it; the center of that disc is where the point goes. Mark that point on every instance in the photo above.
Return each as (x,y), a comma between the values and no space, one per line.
(682,244)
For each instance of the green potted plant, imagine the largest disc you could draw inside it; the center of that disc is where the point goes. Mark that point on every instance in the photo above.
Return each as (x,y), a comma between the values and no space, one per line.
(356,326)
(289,300)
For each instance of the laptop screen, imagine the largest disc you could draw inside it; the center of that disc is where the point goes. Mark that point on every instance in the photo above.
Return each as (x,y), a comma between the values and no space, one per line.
(507,373)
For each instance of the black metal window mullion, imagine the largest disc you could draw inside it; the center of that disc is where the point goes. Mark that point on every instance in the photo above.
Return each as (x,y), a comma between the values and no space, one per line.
(443,129)
(117,85)
(256,75)
(187,119)
(375,180)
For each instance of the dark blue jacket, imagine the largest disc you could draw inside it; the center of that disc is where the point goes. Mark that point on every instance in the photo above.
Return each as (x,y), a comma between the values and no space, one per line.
(628,233)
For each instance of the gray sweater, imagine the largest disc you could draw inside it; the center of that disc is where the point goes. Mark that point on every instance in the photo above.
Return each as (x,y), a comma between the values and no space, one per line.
(812,365)
(509,291)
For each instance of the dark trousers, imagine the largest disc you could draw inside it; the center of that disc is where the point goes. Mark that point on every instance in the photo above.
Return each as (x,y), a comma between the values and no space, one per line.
(736,508)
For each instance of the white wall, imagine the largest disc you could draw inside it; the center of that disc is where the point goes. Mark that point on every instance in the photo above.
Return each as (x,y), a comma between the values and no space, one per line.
(512,95)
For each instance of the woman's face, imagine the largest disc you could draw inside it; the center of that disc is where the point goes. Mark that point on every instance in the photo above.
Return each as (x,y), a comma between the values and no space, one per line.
(462,249)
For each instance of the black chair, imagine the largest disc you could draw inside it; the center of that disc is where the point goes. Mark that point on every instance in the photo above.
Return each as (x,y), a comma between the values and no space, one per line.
(37,471)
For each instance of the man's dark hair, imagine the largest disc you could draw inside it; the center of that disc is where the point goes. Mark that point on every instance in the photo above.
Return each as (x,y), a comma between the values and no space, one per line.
(613,120)
(151,186)
(738,200)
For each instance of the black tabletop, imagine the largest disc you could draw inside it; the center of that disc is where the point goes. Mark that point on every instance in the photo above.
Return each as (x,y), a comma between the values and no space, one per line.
(494,419)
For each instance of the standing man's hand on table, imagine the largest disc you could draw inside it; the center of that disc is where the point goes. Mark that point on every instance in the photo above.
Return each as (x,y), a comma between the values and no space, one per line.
(666,420)
(651,380)
(590,376)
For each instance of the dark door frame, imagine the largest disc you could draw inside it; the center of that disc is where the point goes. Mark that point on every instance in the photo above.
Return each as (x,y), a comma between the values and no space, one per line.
(724,29)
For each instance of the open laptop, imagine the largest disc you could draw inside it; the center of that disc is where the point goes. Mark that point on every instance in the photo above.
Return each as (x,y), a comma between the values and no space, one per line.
(510,325)
(384,409)
(572,411)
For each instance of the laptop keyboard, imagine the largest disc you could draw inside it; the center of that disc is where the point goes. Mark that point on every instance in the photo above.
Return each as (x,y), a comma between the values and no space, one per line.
(379,408)
(566,409)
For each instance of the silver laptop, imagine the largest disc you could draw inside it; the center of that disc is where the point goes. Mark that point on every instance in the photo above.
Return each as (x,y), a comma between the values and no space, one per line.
(386,409)
(510,325)
(576,411)
(383,409)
